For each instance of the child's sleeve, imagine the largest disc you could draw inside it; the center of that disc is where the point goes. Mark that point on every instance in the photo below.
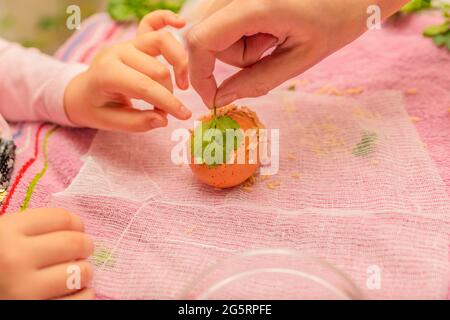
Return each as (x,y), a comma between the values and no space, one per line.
(32,84)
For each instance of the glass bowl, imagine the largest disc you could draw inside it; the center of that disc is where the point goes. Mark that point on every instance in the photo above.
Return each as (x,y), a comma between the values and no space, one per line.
(272,274)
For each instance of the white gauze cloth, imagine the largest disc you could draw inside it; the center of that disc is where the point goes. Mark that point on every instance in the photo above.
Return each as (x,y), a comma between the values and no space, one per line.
(355,188)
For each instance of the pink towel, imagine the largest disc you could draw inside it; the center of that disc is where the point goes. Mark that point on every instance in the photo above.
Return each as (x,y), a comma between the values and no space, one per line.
(160,235)
(382,205)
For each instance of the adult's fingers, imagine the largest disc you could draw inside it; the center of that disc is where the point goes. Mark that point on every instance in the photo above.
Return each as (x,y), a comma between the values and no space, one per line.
(86,294)
(163,43)
(228,25)
(217,33)
(41,221)
(126,81)
(160,19)
(265,75)
(62,280)
(248,50)
(60,247)
(214,6)
(147,65)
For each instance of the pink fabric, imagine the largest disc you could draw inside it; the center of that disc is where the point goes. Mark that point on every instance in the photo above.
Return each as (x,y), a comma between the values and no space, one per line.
(396,57)
(33,84)
(386,210)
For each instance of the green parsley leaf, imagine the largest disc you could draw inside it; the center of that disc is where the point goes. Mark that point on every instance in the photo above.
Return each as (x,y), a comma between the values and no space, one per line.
(367,145)
(103,257)
(207,131)
(225,122)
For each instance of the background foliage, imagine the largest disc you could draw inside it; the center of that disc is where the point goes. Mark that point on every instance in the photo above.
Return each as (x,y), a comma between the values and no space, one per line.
(40,23)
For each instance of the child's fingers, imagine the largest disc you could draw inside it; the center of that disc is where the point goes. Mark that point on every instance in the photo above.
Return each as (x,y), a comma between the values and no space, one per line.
(40,221)
(128,120)
(163,43)
(160,111)
(160,19)
(53,282)
(147,65)
(60,247)
(122,79)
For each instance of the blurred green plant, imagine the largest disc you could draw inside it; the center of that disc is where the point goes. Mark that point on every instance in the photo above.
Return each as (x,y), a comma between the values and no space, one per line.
(6,22)
(135,10)
(48,23)
(51,29)
(416,5)
(440,33)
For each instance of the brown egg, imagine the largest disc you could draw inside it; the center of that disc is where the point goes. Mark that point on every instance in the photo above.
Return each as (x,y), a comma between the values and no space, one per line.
(230,175)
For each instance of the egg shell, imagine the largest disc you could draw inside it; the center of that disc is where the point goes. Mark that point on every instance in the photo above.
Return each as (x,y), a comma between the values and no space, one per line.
(228,175)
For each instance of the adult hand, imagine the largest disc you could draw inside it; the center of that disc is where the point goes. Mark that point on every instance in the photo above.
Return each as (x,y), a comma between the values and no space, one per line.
(302,33)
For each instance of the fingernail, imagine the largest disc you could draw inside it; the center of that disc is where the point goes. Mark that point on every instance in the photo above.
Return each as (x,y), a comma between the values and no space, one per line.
(158,123)
(184,83)
(225,99)
(185,112)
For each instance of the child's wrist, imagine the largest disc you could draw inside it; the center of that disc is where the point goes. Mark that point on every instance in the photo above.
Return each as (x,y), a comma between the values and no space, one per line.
(75,96)
(57,91)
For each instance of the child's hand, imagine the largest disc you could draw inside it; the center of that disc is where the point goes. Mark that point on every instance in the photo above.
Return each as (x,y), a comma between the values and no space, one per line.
(36,249)
(101,97)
